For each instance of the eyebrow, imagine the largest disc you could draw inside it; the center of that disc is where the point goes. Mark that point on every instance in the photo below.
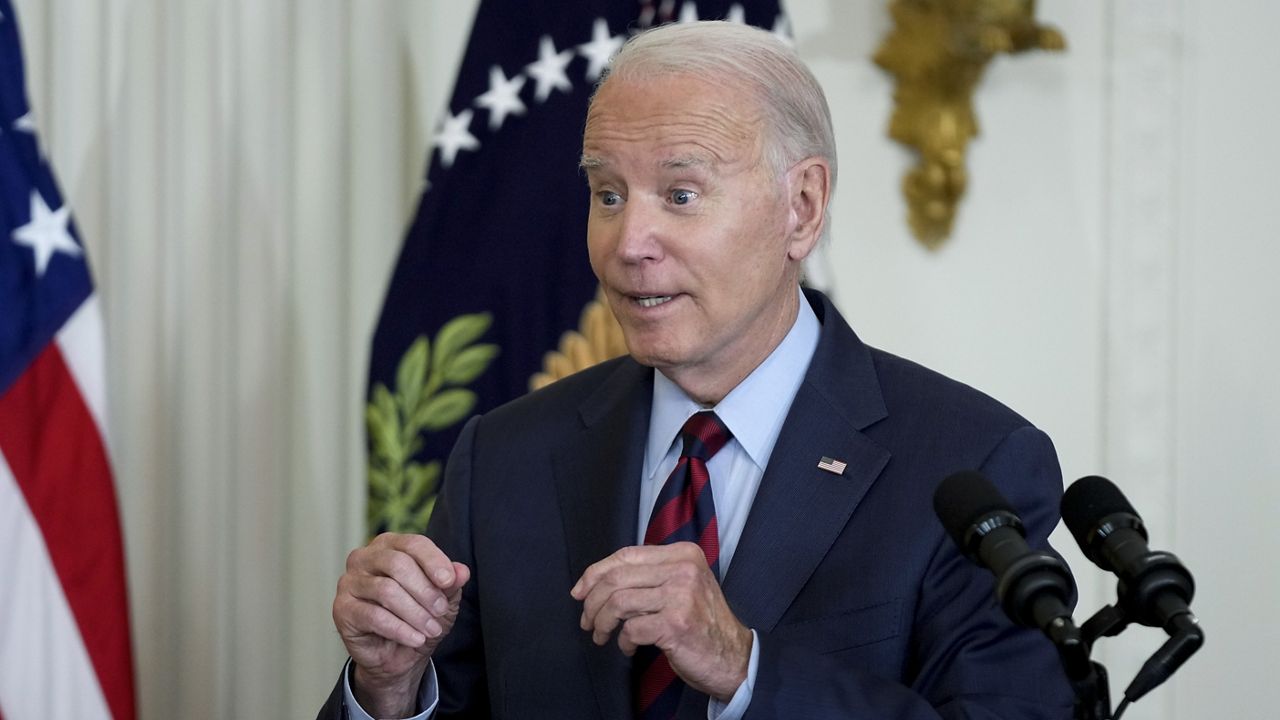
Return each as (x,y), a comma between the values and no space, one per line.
(591,162)
(685,161)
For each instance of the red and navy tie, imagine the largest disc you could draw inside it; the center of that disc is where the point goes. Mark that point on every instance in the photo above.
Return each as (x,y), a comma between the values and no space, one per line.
(684,511)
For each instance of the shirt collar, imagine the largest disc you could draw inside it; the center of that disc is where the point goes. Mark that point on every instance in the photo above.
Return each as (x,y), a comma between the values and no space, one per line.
(754,410)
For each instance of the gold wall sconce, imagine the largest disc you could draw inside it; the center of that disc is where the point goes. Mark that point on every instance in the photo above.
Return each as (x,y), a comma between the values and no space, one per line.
(937,52)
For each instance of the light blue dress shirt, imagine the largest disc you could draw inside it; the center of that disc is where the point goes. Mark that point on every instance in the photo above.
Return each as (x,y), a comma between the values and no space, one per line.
(754,412)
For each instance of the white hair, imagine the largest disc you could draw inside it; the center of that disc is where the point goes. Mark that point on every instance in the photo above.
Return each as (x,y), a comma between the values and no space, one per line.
(794,106)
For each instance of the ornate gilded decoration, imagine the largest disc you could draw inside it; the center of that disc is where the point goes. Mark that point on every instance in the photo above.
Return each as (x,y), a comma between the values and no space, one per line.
(937,52)
(599,338)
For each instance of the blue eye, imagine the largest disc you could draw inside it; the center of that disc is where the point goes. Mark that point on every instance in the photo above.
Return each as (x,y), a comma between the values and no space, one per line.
(683,197)
(609,198)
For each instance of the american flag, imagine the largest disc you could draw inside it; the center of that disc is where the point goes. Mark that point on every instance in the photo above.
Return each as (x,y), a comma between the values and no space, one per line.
(64,621)
(832,465)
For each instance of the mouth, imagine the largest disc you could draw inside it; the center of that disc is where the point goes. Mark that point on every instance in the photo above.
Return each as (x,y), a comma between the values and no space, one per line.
(649,301)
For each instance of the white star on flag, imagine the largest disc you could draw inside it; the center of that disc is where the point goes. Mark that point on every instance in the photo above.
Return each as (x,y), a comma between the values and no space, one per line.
(601,49)
(454,136)
(736,14)
(548,71)
(688,13)
(502,98)
(782,29)
(25,123)
(46,233)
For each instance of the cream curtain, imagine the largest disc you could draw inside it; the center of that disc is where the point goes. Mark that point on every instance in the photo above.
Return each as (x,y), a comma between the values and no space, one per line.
(242,172)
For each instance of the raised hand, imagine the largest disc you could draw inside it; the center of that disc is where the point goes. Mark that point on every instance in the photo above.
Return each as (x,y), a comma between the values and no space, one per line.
(396,601)
(665,595)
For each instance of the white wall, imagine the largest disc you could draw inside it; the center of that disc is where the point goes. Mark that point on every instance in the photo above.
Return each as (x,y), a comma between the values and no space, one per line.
(1226,498)
(242,172)
(1113,277)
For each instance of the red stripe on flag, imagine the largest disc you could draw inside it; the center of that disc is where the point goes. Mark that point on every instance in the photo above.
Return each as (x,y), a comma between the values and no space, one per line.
(55,452)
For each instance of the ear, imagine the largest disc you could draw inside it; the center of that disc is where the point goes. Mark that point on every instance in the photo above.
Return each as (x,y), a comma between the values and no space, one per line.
(809,187)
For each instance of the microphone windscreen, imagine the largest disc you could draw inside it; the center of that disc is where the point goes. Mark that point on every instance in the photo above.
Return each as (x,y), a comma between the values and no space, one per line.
(1088,501)
(963,499)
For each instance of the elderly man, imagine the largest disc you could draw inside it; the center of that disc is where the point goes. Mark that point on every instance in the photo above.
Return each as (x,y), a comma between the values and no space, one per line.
(735,520)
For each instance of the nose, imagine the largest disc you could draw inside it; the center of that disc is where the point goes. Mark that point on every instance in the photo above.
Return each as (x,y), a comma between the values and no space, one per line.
(640,233)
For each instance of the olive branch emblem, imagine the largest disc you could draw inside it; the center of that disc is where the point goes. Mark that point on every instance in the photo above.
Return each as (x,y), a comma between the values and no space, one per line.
(429,397)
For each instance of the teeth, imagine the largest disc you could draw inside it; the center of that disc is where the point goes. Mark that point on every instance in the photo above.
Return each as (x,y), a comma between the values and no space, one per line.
(649,302)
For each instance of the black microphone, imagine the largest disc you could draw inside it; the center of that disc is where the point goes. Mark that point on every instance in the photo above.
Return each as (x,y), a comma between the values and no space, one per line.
(1032,586)
(1155,589)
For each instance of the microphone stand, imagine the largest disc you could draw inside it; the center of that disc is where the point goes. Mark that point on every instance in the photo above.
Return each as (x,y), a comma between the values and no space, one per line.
(1185,638)
(1161,599)
(1088,678)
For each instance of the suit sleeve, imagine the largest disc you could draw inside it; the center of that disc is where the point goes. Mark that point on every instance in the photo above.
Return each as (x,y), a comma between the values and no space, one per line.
(967,659)
(461,682)
(459,660)
(334,708)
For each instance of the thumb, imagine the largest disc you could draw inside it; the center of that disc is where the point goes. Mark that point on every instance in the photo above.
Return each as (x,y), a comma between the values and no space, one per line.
(461,575)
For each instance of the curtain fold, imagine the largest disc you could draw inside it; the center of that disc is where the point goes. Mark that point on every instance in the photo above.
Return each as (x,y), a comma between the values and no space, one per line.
(242,172)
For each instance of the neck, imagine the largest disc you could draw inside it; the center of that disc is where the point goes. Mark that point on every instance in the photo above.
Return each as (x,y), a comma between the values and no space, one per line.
(707,386)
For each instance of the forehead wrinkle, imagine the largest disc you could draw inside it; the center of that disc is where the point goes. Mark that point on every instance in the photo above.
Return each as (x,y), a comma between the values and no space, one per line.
(684,146)
(675,122)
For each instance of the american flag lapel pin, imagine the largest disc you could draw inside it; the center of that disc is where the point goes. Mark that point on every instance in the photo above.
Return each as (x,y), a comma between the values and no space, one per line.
(832,465)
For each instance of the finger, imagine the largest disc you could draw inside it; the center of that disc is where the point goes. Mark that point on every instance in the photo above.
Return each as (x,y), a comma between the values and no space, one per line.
(627,647)
(430,559)
(620,577)
(389,594)
(643,630)
(461,576)
(627,556)
(684,587)
(623,605)
(404,570)
(415,562)
(366,618)
(434,563)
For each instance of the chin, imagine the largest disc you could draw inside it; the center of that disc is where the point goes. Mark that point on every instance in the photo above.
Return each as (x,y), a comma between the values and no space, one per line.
(651,355)
(659,345)
(646,358)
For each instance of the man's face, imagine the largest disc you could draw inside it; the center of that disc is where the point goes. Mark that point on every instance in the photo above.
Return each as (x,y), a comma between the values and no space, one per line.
(690,230)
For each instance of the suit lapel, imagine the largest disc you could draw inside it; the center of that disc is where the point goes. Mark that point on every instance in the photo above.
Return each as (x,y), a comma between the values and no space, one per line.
(597,475)
(798,512)
(800,509)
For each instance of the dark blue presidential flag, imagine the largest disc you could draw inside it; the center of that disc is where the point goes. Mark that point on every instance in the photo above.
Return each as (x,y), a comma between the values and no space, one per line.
(493,275)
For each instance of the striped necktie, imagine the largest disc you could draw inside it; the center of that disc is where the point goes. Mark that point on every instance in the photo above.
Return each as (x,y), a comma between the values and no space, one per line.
(683,512)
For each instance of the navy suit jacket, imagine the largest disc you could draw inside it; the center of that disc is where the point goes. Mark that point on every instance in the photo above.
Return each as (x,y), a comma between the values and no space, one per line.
(864,608)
